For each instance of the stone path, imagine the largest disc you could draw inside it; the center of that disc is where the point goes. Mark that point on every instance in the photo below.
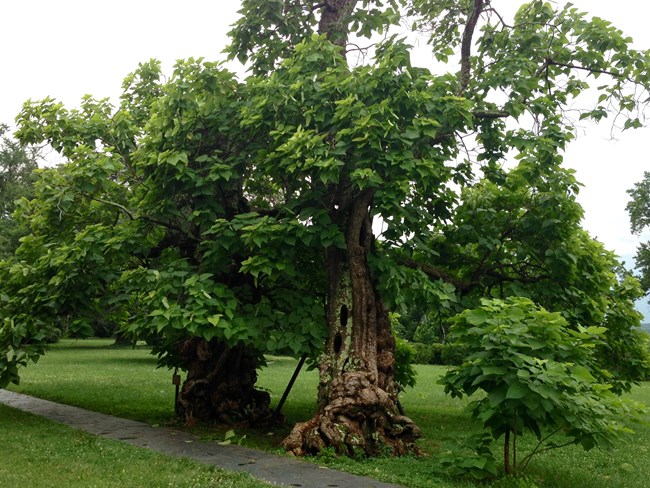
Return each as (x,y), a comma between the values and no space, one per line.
(268,467)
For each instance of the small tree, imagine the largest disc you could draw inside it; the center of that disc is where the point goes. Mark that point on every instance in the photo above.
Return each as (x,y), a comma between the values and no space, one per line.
(536,374)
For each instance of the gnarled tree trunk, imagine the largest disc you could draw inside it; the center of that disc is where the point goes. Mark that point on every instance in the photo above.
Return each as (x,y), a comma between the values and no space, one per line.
(220,384)
(358,410)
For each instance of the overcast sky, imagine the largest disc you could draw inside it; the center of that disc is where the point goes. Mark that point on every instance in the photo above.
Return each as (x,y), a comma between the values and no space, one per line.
(68,48)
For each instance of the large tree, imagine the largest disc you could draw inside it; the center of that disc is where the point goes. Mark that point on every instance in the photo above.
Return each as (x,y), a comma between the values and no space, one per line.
(387,140)
(639,211)
(150,222)
(227,217)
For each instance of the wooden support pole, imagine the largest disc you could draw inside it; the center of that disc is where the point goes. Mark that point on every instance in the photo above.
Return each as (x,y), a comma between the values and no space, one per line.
(278,409)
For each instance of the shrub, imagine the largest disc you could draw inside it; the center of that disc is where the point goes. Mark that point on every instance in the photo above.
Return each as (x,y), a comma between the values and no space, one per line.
(436,353)
(452,354)
(426,353)
(404,360)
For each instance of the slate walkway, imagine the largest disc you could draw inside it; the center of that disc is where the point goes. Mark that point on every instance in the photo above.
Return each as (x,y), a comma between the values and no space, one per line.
(275,469)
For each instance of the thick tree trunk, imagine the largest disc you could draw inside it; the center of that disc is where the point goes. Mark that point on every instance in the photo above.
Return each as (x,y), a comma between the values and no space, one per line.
(358,410)
(220,384)
(334,18)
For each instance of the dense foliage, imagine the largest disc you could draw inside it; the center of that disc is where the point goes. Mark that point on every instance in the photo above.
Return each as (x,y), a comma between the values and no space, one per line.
(17,166)
(538,376)
(223,219)
(155,230)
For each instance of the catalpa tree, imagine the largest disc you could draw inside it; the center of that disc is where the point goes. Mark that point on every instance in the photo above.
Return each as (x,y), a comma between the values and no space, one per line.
(154,224)
(386,140)
(521,237)
(227,219)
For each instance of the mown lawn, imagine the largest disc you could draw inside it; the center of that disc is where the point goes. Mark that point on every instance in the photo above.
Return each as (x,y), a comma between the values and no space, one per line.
(37,453)
(125,382)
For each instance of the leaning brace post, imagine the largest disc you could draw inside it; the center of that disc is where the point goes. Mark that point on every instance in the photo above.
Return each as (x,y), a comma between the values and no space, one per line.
(278,409)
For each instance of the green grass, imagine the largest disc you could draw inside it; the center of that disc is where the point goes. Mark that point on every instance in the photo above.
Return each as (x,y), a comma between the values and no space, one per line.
(39,453)
(94,375)
(125,382)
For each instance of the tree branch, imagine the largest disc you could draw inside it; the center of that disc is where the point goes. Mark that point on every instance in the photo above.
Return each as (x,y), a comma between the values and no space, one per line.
(550,62)
(435,273)
(495,12)
(523,279)
(113,204)
(499,114)
(537,449)
(466,46)
(128,213)
(333,20)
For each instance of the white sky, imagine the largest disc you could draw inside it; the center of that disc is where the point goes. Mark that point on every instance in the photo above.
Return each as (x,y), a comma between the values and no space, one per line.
(68,48)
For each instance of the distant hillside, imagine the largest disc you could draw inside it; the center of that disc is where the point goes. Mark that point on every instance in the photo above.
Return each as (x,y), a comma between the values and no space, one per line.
(646,327)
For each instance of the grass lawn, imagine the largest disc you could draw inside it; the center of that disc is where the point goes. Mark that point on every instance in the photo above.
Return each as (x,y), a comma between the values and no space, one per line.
(38,453)
(125,382)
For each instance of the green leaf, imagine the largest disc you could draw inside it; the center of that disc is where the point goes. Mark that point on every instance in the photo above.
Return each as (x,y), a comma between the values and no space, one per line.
(215,319)
(516,391)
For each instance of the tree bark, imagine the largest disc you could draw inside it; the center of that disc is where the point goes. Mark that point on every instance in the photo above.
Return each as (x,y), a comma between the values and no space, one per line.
(334,20)
(357,408)
(220,384)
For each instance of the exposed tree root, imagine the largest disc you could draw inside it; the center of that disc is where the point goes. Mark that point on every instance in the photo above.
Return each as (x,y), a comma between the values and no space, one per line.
(360,418)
